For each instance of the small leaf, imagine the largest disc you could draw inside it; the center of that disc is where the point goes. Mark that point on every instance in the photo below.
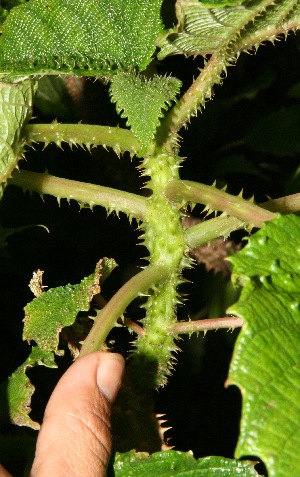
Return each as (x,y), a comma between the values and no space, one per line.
(16,393)
(179,464)
(266,361)
(15,111)
(86,37)
(141,100)
(57,308)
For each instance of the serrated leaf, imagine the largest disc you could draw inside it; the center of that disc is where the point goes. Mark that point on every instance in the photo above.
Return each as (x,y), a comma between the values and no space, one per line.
(82,36)
(266,361)
(179,464)
(15,111)
(142,100)
(203,30)
(57,308)
(16,393)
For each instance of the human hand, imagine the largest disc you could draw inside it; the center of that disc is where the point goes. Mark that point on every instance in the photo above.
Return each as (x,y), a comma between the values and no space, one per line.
(75,438)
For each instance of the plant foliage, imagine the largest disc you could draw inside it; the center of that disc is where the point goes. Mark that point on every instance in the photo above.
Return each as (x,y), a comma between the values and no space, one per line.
(125,43)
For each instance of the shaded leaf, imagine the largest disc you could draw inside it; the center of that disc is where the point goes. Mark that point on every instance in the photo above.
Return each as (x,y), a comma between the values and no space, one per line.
(6,232)
(266,361)
(230,30)
(87,36)
(15,111)
(52,98)
(278,133)
(142,100)
(179,464)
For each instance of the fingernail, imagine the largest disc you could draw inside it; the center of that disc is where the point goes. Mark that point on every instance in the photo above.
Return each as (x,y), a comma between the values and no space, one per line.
(109,374)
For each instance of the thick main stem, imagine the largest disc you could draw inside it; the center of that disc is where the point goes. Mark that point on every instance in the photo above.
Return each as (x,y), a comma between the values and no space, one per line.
(164,238)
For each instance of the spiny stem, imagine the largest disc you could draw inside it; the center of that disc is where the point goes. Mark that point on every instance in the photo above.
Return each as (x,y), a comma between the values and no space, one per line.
(216,199)
(285,205)
(207,324)
(211,229)
(88,194)
(107,317)
(119,139)
(192,100)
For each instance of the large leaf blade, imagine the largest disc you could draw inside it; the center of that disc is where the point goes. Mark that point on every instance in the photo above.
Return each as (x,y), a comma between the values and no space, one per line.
(266,362)
(84,36)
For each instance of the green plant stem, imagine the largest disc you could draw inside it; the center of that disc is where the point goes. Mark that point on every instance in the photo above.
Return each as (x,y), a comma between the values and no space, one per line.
(211,229)
(216,199)
(192,100)
(285,205)
(107,317)
(119,139)
(221,226)
(84,193)
(189,327)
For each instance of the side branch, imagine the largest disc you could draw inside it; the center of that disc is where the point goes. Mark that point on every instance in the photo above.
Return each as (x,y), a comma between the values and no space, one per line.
(188,327)
(221,226)
(194,98)
(84,193)
(216,199)
(119,139)
(107,317)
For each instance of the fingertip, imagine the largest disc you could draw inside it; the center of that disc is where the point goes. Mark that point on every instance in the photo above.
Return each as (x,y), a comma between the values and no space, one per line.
(109,374)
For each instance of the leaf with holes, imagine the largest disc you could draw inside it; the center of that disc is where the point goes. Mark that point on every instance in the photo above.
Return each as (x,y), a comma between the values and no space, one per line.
(266,361)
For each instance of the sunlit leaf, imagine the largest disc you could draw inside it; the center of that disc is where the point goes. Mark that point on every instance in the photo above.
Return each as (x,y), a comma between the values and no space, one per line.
(83,36)
(266,361)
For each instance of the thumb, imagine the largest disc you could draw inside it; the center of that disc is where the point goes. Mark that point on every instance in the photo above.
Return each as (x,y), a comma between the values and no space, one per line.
(75,438)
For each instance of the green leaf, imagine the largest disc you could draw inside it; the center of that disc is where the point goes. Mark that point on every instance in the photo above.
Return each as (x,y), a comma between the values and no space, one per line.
(52,98)
(179,464)
(17,391)
(230,30)
(142,100)
(266,361)
(278,133)
(57,308)
(15,111)
(86,37)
